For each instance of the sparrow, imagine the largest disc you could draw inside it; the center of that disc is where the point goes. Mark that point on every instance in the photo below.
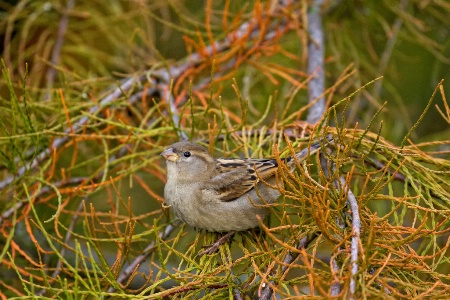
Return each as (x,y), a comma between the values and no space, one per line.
(223,194)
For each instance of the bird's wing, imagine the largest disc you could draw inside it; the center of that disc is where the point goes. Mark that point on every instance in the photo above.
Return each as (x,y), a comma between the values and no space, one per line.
(236,177)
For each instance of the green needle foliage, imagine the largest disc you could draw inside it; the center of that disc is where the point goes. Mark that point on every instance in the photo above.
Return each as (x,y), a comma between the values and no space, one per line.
(82,127)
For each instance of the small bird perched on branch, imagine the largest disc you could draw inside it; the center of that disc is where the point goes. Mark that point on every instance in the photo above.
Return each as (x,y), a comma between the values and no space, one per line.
(221,195)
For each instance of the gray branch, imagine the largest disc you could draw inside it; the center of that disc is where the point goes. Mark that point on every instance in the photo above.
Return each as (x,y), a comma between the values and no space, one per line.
(316,84)
(356,232)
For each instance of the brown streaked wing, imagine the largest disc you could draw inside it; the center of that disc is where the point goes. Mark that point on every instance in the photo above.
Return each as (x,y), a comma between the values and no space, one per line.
(236,177)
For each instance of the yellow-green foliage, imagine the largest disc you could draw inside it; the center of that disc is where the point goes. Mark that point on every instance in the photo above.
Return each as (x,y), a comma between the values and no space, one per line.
(81,178)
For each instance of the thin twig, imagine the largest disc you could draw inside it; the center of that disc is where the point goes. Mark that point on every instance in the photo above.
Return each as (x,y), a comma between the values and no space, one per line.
(356,232)
(56,52)
(329,168)
(316,86)
(60,183)
(78,126)
(63,183)
(138,260)
(335,287)
(175,115)
(58,267)
(184,289)
(267,290)
(237,295)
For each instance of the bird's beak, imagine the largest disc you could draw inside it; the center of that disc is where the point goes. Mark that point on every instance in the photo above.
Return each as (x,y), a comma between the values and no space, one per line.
(169,155)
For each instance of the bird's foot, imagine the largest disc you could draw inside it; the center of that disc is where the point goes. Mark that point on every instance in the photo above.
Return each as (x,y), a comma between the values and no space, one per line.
(214,247)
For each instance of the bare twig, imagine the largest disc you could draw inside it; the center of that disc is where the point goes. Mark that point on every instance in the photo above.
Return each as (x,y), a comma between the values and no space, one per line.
(316,86)
(237,294)
(335,287)
(356,232)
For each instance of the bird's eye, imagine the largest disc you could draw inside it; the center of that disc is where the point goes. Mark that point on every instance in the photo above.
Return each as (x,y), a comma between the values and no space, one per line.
(187,154)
